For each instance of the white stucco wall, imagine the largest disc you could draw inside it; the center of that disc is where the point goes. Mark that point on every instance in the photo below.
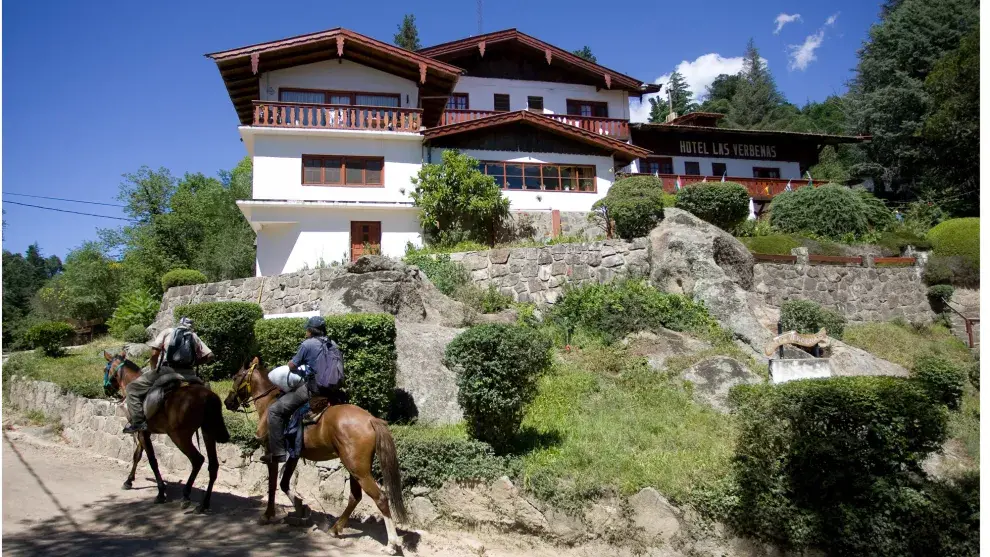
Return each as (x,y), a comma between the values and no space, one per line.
(338,76)
(278,165)
(734,167)
(292,237)
(481,95)
(564,201)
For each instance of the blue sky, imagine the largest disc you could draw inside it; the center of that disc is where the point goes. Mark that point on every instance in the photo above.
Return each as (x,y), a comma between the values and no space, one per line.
(97,89)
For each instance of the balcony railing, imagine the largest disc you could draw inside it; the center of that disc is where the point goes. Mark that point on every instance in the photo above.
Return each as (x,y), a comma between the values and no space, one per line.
(758,187)
(617,129)
(336,117)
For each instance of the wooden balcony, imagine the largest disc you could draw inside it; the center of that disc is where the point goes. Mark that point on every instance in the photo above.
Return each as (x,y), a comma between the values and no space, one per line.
(617,129)
(759,188)
(336,117)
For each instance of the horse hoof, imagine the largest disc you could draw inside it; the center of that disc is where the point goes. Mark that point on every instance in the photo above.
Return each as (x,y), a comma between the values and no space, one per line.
(200,509)
(186,503)
(127,485)
(264,519)
(160,500)
(392,550)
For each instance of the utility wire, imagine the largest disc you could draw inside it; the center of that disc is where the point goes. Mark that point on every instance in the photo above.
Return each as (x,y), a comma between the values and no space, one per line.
(64,199)
(68,211)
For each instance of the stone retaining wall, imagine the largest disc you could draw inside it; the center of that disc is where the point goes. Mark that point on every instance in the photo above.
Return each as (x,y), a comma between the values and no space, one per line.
(861,294)
(538,274)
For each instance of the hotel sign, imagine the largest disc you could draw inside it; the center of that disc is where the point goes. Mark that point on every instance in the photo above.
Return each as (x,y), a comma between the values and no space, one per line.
(727,150)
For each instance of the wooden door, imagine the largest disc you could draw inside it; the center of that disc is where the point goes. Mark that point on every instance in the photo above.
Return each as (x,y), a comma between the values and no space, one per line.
(365,232)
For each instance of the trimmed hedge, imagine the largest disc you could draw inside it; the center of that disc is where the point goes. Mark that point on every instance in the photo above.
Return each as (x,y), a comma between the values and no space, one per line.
(724,204)
(228,329)
(367,343)
(805,316)
(830,211)
(957,237)
(635,204)
(182,277)
(50,337)
(430,460)
(836,463)
(497,367)
(941,379)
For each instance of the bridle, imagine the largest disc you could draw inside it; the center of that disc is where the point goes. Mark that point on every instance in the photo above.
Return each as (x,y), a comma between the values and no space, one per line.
(117,375)
(245,387)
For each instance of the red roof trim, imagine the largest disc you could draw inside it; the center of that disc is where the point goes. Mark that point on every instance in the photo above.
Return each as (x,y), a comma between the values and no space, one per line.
(575,132)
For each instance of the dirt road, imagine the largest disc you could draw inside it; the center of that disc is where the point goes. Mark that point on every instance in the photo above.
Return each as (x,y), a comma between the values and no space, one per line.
(65,502)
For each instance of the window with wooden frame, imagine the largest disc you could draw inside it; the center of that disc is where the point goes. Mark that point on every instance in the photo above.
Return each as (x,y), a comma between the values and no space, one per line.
(358,98)
(595,109)
(658,165)
(692,168)
(761,172)
(334,170)
(501,102)
(524,176)
(534,103)
(458,101)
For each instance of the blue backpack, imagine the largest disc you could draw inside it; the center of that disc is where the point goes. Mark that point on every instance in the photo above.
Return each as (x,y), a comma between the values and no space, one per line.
(329,366)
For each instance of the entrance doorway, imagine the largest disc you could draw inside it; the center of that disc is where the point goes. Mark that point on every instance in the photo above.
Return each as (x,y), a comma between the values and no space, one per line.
(365,233)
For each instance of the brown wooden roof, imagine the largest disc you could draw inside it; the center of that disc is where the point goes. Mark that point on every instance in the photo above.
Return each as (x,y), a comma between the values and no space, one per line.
(619,149)
(601,75)
(240,67)
(642,129)
(700,119)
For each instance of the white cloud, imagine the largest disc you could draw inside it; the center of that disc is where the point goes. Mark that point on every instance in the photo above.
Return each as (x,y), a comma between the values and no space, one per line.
(698,74)
(801,55)
(783,19)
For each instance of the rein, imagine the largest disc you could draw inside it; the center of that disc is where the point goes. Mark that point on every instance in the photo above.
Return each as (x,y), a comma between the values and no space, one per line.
(246,385)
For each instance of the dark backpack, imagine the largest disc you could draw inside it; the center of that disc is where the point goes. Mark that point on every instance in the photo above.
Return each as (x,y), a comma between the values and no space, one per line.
(181,352)
(329,367)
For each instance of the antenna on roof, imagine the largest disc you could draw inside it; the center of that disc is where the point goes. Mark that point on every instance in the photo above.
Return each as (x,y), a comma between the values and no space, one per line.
(479,17)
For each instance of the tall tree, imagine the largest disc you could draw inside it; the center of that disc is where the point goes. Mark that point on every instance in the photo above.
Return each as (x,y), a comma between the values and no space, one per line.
(718,95)
(756,102)
(679,95)
(585,52)
(23,276)
(889,100)
(408,36)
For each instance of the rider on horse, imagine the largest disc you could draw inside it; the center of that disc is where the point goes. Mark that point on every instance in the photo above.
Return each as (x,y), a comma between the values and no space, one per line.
(315,360)
(183,350)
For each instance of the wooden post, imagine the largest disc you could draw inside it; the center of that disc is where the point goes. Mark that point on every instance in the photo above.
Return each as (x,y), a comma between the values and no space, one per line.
(555,222)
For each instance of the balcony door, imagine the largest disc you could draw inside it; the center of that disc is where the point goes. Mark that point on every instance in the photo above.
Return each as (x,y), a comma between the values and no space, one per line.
(366,236)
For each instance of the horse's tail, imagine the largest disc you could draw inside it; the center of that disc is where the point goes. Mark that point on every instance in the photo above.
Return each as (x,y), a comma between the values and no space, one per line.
(213,419)
(385,450)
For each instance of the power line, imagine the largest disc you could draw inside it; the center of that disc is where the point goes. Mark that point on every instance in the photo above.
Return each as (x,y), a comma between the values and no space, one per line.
(68,211)
(64,199)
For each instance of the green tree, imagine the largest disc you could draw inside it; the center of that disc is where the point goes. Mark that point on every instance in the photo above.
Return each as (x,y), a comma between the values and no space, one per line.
(888,96)
(457,202)
(23,275)
(756,102)
(718,95)
(679,96)
(408,36)
(92,282)
(585,52)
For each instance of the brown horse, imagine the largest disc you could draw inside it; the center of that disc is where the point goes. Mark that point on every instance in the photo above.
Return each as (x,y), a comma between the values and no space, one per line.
(343,431)
(184,411)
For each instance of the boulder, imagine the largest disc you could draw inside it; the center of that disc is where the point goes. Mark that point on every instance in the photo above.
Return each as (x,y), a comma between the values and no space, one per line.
(713,377)
(654,515)
(421,373)
(137,350)
(690,256)
(422,510)
(658,346)
(849,360)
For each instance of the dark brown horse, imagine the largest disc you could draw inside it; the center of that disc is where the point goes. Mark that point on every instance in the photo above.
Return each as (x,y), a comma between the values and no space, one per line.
(343,431)
(184,411)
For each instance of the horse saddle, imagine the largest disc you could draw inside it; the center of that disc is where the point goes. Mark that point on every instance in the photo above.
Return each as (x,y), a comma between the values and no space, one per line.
(317,406)
(162,387)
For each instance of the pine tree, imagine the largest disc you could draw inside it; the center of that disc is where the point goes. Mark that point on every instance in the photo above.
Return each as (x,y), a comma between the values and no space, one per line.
(585,52)
(408,35)
(756,102)
(680,97)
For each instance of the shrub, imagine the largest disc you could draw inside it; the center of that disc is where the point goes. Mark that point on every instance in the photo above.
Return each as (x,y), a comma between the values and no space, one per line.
(445,274)
(489,300)
(137,308)
(878,216)
(831,462)
(429,459)
(830,211)
(182,277)
(50,337)
(940,378)
(228,329)
(974,374)
(778,244)
(805,316)
(724,204)
(895,239)
(367,343)
(634,204)
(497,368)
(959,238)
(135,333)
(939,296)
(953,269)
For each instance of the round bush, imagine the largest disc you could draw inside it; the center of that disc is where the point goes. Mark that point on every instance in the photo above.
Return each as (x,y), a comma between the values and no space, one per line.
(228,329)
(182,277)
(497,366)
(50,337)
(957,237)
(135,333)
(939,295)
(831,211)
(941,379)
(724,204)
(635,204)
(805,316)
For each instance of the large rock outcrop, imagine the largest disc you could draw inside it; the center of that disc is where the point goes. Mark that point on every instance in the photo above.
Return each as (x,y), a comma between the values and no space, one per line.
(691,256)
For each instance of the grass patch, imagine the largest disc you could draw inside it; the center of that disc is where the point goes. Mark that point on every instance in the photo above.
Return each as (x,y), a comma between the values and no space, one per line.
(79,372)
